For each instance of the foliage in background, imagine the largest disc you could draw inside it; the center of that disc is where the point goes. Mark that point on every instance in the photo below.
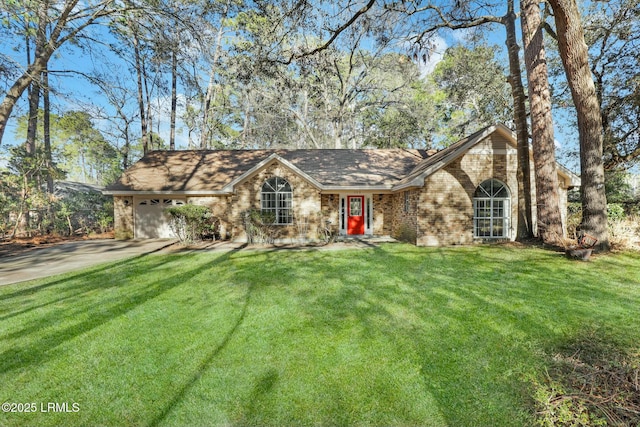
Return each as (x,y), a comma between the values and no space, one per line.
(364,90)
(623,223)
(79,148)
(476,88)
(24,181)
(612,32)
(623,210)
(618,187)
(10,201)
(81,211)
(192,223)
(26,209)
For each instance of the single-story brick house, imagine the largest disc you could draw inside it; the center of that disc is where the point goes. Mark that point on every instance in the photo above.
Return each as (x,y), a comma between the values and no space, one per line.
(459,195)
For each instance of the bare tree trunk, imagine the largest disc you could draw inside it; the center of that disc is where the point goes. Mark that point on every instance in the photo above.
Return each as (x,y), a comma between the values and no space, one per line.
(47,131)
(22,223)
(303,119)
(575,58)
(525,228)
(205,136)
(32,124)
(147,94)
(174,97)
(138,64)
(246,126)
(546,176)
(337,134)
(36,84)
(126,148)
(18,88)
(83,166)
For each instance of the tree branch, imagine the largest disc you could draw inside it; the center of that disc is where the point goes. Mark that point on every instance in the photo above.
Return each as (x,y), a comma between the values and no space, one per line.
(335,34)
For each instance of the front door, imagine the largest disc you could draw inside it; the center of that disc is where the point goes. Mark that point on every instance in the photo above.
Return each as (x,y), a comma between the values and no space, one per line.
(355,215)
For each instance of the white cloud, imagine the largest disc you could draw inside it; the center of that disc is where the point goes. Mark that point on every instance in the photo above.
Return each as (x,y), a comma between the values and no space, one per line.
(463,36)
(438,46)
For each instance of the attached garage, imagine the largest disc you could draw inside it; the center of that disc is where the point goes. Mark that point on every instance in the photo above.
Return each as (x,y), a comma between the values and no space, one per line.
(151,222)
(465,193)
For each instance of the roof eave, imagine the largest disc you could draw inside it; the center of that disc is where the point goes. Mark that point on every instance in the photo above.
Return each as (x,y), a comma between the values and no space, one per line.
(275,156)
(418,180)
(572,179)
(414,183)
(165,192)
(354,188)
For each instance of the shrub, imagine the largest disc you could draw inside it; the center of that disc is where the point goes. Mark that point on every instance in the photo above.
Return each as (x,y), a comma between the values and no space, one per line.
(574,218)
(259,226)
(192,223)
(77,212)
(621,226)
(625,233)
(615,212)
(120,234)
(632,208)
(406,233)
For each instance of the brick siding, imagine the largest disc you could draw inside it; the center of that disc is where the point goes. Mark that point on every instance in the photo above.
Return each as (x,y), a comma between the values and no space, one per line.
(123,217)
(439,213)
(445,214)
(306,203)
(404,216)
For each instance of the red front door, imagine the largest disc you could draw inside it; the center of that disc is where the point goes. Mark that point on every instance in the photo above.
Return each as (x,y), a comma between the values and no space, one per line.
(355,215)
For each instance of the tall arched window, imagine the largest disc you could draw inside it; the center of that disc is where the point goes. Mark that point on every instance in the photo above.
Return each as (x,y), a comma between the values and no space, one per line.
(276,197)
(491,210)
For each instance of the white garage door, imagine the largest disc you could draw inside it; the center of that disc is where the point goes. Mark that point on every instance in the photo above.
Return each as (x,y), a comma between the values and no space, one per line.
(150,220)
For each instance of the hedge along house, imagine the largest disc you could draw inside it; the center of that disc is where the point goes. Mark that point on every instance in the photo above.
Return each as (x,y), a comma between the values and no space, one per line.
(459,195)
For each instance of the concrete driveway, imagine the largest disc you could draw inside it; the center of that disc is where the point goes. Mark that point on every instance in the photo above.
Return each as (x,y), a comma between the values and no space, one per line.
(49,261)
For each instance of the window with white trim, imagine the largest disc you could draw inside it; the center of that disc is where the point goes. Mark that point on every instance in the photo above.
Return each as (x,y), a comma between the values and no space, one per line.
(491,210)
(276,199)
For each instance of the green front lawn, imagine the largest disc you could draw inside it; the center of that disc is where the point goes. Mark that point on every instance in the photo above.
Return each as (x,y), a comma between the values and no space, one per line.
(395,335)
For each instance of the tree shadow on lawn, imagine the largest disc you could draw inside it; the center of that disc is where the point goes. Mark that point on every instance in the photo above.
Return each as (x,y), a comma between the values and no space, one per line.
(92,298)
(26,288)
(87,281)
(208,361)
(476,340)
(413,299)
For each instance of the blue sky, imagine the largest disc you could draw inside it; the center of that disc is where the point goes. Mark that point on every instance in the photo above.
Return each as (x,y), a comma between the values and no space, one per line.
(72,91)
(76,93)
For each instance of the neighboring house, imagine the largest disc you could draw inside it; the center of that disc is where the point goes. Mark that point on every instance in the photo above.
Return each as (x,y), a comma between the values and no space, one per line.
(459,195)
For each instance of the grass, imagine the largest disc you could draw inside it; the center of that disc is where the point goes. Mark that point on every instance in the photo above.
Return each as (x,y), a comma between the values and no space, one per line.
(395,335)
